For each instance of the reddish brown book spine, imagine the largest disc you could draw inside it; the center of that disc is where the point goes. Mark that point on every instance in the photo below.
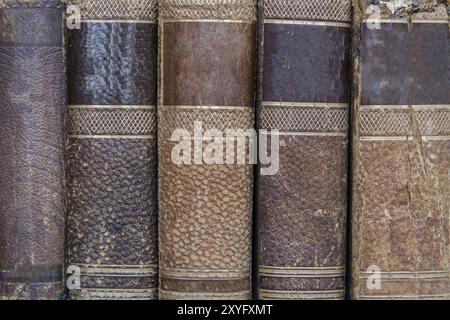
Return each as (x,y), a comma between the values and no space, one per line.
(207,76)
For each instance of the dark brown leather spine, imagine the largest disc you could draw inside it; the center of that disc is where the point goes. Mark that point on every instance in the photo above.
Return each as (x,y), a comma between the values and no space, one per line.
(304,94)
(401,160)
(32,187)
(112,222)
(207,74)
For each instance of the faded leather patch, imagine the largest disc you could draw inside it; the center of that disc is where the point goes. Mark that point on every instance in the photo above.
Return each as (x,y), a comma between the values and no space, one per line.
(32,27)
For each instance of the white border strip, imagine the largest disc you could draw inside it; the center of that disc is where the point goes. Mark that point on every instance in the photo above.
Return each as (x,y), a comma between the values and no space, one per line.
(131,266)
(184,295)
(119,21)
(406,21)
(206,107)
(174,20)
(306,134)
(94,136)
(407,275)
(305,104)
(404,138)
(405,107)
(76,106)
(308,22)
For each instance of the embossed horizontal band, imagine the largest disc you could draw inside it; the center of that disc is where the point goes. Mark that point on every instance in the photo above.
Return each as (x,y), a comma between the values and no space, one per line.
(405,138)
(117,290)
(406,21)
(306,272)
(309,22)
(118,21)
(220,9)
(403,107)
(306,104)
(409,275)
(242,295)
(118,271)
(111,294)
(123,9)
(203,274)
(111,121)
(405,297)
(409,121)
(315,295)
(306,134)
(207,20)
(74,136)
(327,10)
(305,119)
(206,107)
(111,106)
(131,266)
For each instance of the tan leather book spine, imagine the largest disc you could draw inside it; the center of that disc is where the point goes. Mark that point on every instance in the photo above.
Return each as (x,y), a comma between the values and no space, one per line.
(401,189)
(207,57)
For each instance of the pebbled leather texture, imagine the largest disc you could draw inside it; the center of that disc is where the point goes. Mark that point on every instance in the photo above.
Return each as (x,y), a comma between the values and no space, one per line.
(304,94)
(112,222)
(207,75)
(401,199)
(32,138)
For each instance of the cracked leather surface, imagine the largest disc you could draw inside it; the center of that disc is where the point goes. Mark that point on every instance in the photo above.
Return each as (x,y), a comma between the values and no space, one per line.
(32,184)
(304,230)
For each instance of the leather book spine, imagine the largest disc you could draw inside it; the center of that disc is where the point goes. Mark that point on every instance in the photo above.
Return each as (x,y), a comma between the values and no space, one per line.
(207,58)
(304,104)
(112,165)
(32,143)
(401,198)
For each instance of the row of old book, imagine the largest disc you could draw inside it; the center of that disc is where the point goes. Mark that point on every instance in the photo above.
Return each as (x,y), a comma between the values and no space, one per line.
(128,159)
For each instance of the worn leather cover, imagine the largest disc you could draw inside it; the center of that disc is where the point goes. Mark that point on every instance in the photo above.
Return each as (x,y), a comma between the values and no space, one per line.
(32,184)
(401,189)
(304,95)
(112,219)
(207,56)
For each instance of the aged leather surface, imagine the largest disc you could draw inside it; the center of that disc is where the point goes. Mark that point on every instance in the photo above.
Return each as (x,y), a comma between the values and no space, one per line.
(304,94)
(112,221)
(116,64)
(318,58)
(401,199)
(32,182)
(416,59)
(207,74)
